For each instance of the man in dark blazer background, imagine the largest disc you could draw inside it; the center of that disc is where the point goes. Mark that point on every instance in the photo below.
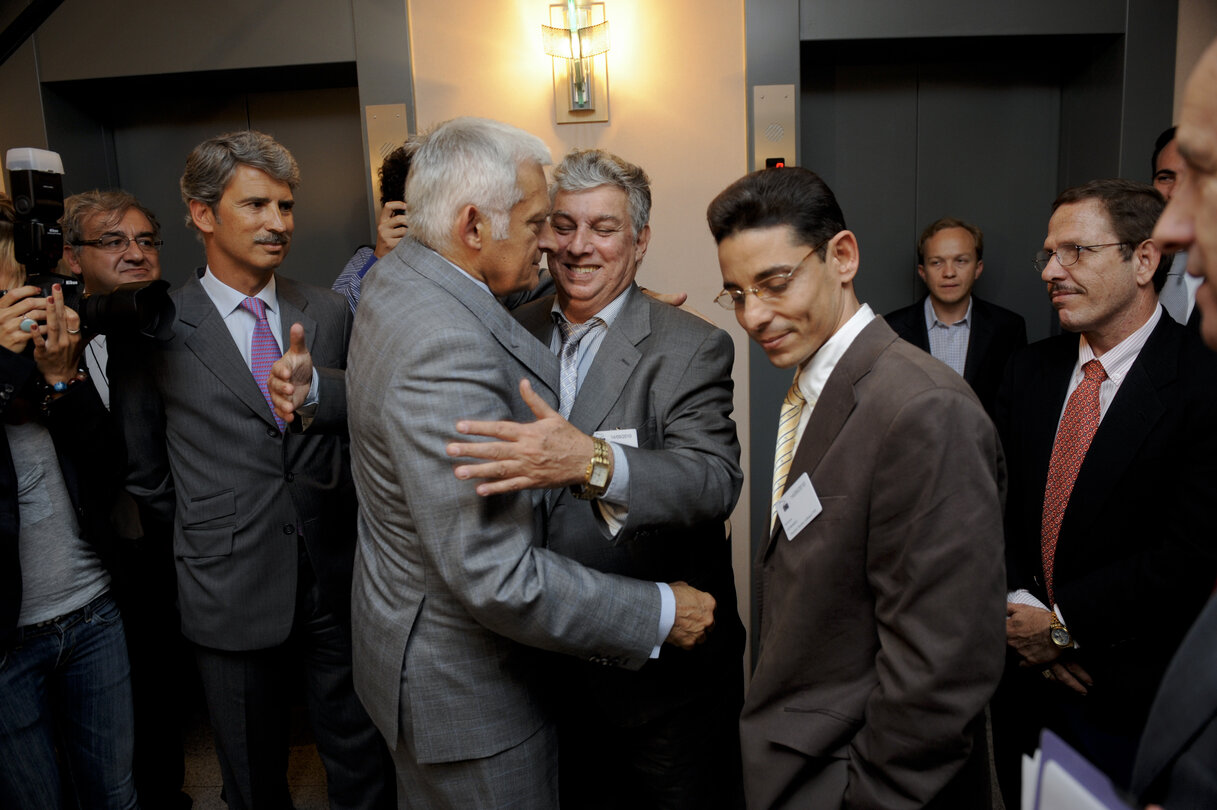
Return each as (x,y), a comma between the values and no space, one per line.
(1103,581)
(972,336)
(653,384)
(882,578)
(264,530)
(1175,761)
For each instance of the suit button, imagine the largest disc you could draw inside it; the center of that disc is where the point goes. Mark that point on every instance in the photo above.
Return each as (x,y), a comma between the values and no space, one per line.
(289,528)
(272,432)
(289,477)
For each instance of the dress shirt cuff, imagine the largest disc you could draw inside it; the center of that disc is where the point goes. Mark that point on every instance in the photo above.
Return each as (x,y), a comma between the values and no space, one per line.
(667,615)
(1023,597)
(614,506)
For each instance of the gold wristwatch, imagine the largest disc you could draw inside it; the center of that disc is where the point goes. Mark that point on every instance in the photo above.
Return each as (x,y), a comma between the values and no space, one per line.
(1059,633)
(599,472)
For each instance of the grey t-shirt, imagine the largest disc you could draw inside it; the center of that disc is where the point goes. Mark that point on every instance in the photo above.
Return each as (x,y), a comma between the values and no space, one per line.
(60,572)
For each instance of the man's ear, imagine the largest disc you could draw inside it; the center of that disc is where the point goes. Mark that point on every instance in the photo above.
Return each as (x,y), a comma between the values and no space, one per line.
(72,261)
(203,217)
(921,273)
(641,243)
(980,267)
(842,252)
(1146,257)
(471,228)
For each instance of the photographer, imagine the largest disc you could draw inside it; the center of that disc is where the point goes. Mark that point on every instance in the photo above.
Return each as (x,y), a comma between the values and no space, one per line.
(110,238)
(63,659)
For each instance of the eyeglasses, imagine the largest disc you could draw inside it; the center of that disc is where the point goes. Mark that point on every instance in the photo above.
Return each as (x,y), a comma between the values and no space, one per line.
(119,244)
(770,289)
(1067,255)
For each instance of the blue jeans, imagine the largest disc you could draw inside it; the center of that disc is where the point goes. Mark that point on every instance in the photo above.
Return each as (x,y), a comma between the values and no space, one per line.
(67,684)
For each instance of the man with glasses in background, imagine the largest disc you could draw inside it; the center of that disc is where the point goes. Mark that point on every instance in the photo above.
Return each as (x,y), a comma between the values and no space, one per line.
(881,572)
(1103,580)
(110,238)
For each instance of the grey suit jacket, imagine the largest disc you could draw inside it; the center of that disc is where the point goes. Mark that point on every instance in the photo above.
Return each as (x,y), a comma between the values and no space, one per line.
(449,586)
(665,374)
(205,452)
(883,620)
(1178,751)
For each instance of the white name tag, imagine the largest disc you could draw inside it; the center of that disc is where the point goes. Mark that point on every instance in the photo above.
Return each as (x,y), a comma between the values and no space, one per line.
(798,506)
(627,437)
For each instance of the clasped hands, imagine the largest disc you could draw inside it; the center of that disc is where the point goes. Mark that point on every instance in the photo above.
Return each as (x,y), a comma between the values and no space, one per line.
(1028,632)
(552,453)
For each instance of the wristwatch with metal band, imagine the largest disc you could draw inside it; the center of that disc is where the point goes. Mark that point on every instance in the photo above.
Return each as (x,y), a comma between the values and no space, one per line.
(599,472)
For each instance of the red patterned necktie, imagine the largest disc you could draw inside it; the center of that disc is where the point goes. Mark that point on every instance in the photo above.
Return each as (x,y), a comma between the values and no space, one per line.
(263,351)
(1078,426)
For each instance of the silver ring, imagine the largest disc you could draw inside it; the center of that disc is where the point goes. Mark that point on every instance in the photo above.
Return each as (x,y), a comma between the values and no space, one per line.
(73,331)
(28,325)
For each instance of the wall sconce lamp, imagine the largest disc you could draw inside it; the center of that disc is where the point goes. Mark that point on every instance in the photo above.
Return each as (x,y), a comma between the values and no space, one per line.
(577,39)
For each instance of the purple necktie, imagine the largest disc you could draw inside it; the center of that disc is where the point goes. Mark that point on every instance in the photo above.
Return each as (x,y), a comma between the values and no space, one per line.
(263,351)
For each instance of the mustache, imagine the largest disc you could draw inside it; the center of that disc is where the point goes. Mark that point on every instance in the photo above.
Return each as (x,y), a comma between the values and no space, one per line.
(1063,288)
(273,239)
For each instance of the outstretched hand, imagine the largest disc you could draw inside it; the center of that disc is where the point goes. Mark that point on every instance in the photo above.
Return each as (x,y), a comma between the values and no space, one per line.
(291,376)
(545,454)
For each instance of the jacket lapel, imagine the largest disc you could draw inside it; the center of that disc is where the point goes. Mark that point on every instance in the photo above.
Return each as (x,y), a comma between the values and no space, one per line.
(292,309)
(615,361)
(211,342)
(837,401)
(1133,413)
(980,337)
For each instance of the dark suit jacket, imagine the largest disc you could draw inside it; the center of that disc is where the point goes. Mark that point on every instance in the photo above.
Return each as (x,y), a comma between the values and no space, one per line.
(882,621)
(90,457)
(1130,575)
(996,334)
(205,452)
(1176,761)
(666,374)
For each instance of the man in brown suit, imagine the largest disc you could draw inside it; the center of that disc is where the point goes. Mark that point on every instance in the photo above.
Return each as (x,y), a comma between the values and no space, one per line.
(882,611)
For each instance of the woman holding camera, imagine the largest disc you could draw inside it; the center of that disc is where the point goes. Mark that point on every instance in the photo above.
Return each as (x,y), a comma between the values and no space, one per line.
(64,675)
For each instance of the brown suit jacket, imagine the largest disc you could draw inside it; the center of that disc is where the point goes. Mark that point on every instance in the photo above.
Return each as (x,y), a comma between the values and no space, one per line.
(883,620)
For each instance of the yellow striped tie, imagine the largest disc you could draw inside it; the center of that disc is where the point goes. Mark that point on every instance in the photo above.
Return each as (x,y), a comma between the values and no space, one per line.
(788,430)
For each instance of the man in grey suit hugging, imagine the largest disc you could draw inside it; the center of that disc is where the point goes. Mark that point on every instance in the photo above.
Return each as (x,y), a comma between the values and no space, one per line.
(451,589)
(654,391)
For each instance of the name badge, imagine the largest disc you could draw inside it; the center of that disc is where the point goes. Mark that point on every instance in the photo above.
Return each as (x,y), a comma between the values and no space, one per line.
(627,437)
(798,506)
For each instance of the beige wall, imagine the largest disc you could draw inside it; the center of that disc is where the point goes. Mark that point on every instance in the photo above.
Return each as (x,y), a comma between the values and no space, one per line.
(677,108)
(1197,28)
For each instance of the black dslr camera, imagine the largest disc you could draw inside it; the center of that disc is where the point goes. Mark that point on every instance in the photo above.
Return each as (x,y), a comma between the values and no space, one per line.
(138,308)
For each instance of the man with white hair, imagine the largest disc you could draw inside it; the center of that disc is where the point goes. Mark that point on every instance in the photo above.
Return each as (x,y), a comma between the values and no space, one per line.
(451,589)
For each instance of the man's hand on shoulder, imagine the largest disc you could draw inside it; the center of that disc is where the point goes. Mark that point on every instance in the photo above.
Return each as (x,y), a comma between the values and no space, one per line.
(291,376)
(694,616)
(546,454)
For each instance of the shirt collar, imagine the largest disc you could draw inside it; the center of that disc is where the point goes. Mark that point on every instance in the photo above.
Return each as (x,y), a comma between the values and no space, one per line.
(931,317)
(227,299)
(1119,358)
(817,370)
(608,313)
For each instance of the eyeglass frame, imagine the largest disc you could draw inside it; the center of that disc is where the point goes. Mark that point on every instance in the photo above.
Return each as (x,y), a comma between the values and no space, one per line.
(154,246)
(1046,256)
(732,304)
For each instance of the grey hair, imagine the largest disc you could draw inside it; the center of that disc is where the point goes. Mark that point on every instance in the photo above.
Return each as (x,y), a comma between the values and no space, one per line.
(111,204)
(467,161)
(213,162)
(585,169)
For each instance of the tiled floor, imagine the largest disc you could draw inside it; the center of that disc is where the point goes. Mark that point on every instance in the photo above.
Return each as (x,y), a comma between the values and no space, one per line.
(305,774)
